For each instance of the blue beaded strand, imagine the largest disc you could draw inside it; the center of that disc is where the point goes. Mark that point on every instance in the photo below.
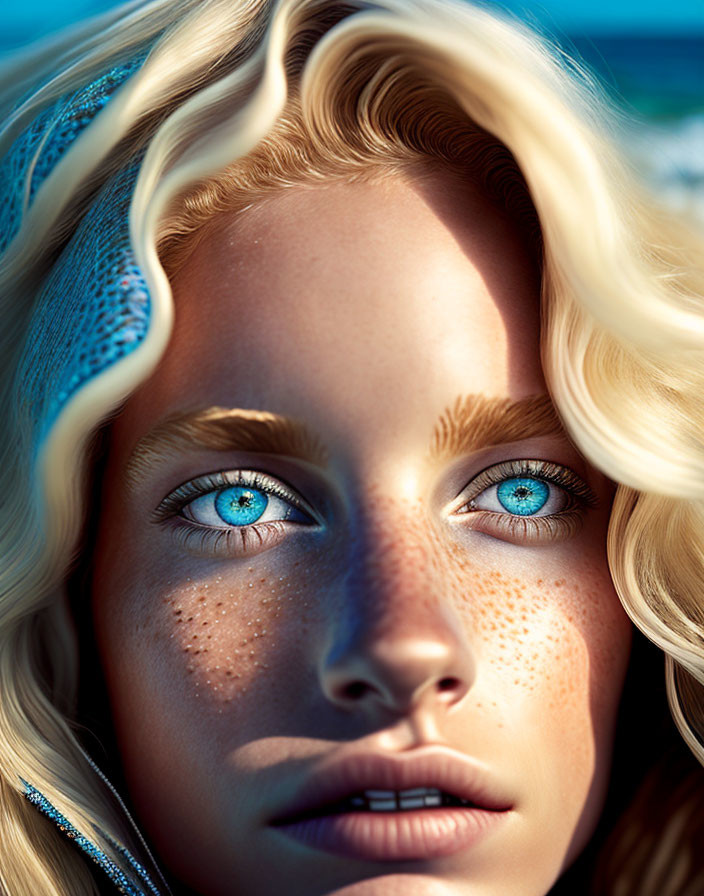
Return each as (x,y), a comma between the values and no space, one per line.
(123,885)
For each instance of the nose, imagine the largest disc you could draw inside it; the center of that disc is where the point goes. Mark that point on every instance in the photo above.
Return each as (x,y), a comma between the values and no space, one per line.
(395,642)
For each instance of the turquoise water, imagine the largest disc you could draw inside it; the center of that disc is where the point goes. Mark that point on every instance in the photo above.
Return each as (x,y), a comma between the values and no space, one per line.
(661,77)
(659,82)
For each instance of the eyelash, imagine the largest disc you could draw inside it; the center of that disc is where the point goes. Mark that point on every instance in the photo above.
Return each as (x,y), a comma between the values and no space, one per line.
(529,529)
(228,540)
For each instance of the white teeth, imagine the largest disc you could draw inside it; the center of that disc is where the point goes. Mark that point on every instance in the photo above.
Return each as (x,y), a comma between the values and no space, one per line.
(392,794)
(388,800)
(413,802)
(392,800)
(382,805)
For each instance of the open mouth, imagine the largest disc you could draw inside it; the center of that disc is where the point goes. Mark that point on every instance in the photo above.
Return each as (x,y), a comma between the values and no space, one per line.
(422,806)
(416,824)
(385,801)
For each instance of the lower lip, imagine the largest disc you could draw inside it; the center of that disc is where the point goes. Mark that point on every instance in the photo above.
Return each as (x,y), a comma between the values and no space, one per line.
(411,835)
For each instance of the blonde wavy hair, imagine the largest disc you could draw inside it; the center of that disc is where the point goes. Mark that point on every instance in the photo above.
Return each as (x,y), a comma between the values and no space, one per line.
(237,99)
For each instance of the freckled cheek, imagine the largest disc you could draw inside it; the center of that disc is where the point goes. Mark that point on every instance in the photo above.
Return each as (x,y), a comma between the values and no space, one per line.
(554,647)
(229,638)
(208,638)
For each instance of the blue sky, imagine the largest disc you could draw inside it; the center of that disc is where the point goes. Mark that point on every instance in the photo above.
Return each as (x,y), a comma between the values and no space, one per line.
(23,20)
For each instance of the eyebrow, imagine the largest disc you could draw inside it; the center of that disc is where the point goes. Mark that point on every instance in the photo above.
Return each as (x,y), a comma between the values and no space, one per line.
(477,421)
(223,429)
(471,423)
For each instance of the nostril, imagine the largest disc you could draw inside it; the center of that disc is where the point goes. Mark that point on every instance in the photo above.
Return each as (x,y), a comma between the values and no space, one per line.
(448,684)
(354,690)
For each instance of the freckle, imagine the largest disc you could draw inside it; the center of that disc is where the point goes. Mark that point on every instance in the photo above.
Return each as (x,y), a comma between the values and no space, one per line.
(205,623)
(178,612)
(190,619)
(262,580)
(219,603)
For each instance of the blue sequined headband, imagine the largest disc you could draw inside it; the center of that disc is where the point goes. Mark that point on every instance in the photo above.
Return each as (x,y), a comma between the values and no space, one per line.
(94,308)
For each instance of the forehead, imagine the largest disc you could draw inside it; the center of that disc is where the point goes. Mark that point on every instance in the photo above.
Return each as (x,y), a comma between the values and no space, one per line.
(326,301)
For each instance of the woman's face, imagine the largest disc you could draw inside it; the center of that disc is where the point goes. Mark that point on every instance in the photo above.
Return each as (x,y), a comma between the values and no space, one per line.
(360,556)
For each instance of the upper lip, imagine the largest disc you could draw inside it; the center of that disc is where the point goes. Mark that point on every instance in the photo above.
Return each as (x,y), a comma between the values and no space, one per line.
(338,778)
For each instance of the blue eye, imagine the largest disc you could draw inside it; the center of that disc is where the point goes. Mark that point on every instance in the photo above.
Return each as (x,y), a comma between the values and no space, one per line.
(234,514)
(522,496)
(234,501)
(526,502)
(243,505)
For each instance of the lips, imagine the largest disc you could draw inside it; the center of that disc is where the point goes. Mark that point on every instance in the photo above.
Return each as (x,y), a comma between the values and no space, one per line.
(365,806)
(334,784)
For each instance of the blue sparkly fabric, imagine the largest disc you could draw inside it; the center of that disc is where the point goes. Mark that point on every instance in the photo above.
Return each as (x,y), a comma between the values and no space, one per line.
(115,874)
(93,309)
(33,156)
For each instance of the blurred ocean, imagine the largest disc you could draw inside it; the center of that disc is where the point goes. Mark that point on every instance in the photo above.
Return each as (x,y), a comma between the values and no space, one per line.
(659,81)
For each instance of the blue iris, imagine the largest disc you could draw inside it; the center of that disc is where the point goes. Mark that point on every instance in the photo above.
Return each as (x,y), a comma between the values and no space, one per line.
(240,506)
(522,496)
